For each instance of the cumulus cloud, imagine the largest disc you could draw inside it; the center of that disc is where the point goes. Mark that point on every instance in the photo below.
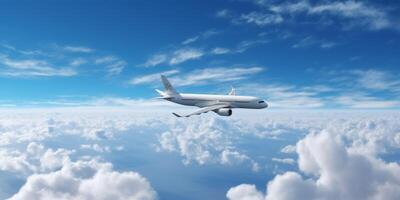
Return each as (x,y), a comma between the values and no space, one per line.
(98,148)
(244,192)
(86,180)
(354,138)
(206,142)
(34,159)
(337,172)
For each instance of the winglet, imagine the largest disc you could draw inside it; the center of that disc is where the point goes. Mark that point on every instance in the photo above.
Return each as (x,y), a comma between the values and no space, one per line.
(232,92)
(176,115)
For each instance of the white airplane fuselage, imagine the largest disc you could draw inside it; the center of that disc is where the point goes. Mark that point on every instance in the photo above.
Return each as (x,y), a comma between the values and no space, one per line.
(204,100)
(220,104)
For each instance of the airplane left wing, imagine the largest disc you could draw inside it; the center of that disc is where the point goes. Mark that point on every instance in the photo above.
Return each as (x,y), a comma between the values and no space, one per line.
(203,110)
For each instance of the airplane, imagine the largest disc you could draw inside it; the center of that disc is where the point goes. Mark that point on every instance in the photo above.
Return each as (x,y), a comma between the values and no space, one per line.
(220,104)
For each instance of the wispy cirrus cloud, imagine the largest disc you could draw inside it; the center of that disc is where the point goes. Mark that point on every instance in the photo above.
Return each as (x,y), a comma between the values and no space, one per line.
(78,49)
(203,36)
(150,78)
(175,57)
(224,13)
(55,60)
(113,64)
(352,89)
(312,41)
(350,13)
(377,79)
(185,54)
(200,76)
(259,18)
(32,67)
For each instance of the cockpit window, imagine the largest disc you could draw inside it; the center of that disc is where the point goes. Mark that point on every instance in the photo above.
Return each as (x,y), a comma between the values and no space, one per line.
(261,102)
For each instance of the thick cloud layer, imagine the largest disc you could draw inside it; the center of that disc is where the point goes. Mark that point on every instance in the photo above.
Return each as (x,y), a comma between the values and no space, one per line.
(205,140)
(86,180)
(334,171)
(42,144)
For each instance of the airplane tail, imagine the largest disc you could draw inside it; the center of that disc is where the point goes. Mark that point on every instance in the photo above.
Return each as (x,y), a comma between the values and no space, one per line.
(169,90)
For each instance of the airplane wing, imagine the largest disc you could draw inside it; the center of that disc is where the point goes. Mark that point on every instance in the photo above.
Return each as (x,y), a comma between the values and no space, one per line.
(203,110)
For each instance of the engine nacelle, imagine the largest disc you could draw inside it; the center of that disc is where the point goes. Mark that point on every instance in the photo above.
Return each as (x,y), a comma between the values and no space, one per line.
(224,112)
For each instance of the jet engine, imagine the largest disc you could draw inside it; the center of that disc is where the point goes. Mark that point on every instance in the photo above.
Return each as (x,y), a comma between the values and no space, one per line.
(224,112)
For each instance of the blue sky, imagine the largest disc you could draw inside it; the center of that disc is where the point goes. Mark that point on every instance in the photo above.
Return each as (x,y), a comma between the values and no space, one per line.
(296,54)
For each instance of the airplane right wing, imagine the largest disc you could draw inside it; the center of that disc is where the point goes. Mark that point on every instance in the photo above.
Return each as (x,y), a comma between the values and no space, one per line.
(203,110)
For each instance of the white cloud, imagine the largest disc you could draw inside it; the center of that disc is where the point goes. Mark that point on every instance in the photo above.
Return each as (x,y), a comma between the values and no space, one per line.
(34,159)
(24,52)
(116,68)
(220,50)
(204,35)
(156,60)
(305,42)
(289,149)
(261,19)
(289,161)
(229,157)
(56,61)
(98,148)
(245,45)
(150,78)
(105,59)
(31,67)
(207,140)
(78,49)
(113,65)
(216,74)
(376,79)
(337,172)
(190,40)
(175,57)
(225,13)
(200,76)
(352,13)
(78,62)
(362,100)
(86,180)
(285,96)
(244,192)
(182,55)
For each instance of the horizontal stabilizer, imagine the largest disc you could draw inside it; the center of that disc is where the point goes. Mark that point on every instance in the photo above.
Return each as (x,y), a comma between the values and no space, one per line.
(160,92)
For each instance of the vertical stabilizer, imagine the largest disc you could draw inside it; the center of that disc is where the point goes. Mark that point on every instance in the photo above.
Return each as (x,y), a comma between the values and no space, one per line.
(167,85)
(232,92)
